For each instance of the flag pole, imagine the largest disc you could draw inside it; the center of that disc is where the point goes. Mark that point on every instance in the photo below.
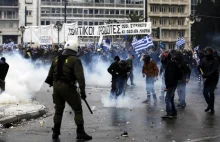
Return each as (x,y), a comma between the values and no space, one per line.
(190,47)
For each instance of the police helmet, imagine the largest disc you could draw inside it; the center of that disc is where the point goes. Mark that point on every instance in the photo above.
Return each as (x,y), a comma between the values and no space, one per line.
(72,45)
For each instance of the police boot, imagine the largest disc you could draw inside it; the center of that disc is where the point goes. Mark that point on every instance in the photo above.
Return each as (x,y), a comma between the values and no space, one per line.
(56,131)
(81,134)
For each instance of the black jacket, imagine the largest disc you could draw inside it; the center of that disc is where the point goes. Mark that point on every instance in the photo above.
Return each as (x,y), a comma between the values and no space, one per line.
(172,74)
(210,69)
(3,70)
(118,72)
(113,69)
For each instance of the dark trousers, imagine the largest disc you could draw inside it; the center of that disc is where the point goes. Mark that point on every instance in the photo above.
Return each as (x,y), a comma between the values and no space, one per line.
(114,88)
(208,92)
(62,93)
(170,107)
(2,85)
(118,87)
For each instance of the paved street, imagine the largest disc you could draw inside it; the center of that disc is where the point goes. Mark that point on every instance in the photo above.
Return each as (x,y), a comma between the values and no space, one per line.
(141,121)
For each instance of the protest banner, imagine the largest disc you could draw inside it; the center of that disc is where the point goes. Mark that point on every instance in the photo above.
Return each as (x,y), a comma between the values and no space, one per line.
(112,29)
(45,40)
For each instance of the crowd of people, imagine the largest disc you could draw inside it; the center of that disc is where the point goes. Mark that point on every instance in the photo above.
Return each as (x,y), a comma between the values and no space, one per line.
(175,67)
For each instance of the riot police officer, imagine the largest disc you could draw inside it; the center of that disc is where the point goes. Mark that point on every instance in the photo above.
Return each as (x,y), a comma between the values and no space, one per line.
(65,70)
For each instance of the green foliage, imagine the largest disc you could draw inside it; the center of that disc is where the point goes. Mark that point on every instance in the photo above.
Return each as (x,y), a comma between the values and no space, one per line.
(133,17)
(206,29)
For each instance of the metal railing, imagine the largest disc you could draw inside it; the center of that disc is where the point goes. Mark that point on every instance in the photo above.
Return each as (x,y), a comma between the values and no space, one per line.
(168,14)
(169,1)
(81,15)
(93,4)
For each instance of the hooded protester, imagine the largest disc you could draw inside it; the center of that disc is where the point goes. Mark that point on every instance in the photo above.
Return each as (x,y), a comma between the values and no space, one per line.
(209,66)
(164,60)
(172,76)
(185,74)
(65,70)
(113,71)
(150,71)
(3,73)
(122,72)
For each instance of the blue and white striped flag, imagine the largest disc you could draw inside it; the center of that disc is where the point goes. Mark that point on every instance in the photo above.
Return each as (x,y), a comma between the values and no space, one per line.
(195,54)
(196,48)
(134,39)
(143,43)
(89,44)
(180,42)
(106,44)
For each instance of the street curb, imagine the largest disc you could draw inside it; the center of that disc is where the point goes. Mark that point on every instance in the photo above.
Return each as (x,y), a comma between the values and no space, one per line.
(17,118)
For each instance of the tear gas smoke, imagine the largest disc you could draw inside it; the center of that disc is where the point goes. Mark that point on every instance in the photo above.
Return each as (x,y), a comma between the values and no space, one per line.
(126,102)
(23,80)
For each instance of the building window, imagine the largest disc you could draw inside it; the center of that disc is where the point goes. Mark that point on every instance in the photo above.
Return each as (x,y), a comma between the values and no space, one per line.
(42,22)
(171,45)
(80,11)
(171,9)
(162,9)
(171,22)
(69,10)
(80,23)
(180,22)
(122,12)
(96,11)
(102,11)
(180,9)
(141,12)
(117,12)
(112,12)
(90,11)
(53,10)
(57,10)
(96,23)
(106,11)
(90,23)
(85,11)
(153,9)
(181,33)
(47,22)
(162,21)
(127,12)
(74,11)
(154,22)
(85,23)
(29,13)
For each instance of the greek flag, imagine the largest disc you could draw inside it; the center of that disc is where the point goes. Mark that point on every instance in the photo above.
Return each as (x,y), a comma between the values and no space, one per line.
(162,45)
(180,42)
(196,48)
(143,43)
(195,53)
(106,44)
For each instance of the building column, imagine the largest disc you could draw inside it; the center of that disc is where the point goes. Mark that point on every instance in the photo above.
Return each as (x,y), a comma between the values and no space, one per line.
(1,38)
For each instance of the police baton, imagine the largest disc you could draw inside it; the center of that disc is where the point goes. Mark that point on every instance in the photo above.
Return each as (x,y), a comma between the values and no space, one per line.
(88,106)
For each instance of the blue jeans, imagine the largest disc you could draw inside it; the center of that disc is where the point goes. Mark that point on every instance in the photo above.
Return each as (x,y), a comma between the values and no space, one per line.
(163,86)
(150,87)
(170,107)
(131,76)
(181,90)
(120,85)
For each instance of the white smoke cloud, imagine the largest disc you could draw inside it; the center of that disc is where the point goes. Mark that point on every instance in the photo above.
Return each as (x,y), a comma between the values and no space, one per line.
(23,80)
